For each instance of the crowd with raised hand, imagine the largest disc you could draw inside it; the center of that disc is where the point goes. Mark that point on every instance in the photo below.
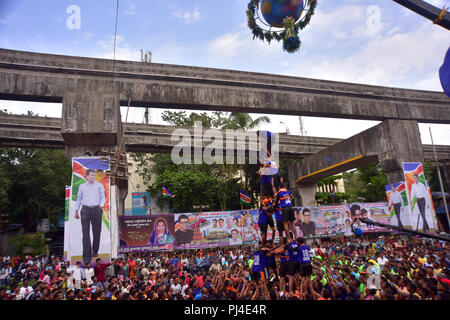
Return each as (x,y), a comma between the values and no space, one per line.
(388,268)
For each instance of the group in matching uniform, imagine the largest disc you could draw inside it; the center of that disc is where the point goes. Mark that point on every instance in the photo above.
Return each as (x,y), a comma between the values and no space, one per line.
(291,252)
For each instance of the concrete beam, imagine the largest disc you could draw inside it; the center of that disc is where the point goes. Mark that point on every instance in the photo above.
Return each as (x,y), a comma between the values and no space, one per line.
(44,132)
(391,143)
(44,77)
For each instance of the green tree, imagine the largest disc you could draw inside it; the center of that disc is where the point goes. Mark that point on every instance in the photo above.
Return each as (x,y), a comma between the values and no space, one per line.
(325,197)
(34,244)
(195,184)
(36,188)
(366,182)
(243,121)
(5,185)
(181,119)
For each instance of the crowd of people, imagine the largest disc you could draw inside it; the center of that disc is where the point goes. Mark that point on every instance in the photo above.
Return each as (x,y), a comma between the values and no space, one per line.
(391,267)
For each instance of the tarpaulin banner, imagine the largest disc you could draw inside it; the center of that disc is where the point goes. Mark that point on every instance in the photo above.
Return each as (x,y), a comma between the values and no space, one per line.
(398,205)
(228,228)
(146,233)
(89,215)
(421,204)
(203,230)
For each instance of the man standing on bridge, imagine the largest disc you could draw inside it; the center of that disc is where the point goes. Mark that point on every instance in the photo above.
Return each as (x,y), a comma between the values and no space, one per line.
(91,196)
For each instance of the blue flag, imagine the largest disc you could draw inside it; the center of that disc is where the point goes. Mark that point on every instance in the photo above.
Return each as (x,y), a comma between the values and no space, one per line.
(444,74)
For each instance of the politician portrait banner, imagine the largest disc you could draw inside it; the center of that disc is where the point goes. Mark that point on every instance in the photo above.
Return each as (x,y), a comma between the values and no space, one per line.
(146,233)
(89,216)
(249,226)
(398,205)
(420,201)
(202,230)
(235,227)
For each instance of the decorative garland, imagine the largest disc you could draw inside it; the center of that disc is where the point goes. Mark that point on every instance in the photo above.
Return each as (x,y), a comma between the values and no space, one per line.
(291,40)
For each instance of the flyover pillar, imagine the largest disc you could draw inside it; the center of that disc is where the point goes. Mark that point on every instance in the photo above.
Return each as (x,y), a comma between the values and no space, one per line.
(404,145)
(90,121)
(305,195)
(390,142)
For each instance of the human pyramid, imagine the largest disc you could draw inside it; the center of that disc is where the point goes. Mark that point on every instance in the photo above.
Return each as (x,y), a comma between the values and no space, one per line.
(292,252)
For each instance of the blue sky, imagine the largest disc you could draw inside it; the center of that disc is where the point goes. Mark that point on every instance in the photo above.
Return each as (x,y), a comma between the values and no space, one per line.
(362,41)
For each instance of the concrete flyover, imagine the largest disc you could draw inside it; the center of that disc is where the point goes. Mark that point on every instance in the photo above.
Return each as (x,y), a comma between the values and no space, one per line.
(52,78)
(44,132)
(390,143)
(92,90)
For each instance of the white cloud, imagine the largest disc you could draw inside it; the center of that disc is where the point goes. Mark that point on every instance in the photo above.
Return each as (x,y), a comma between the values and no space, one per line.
(131,11)
(187,16)
(398,60)
(437,3)
(239,46)
(347,21)
(123,50)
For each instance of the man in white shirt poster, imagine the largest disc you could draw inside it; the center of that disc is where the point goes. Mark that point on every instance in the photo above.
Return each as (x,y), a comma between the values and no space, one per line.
(420,191)
(396,200)
(90,203)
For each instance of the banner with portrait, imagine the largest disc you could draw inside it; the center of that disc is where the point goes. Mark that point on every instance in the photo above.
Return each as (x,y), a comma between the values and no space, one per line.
(146,233)
(336,221)
(202,230)
(249,226)
(398,205)
(423,215)
(89,210)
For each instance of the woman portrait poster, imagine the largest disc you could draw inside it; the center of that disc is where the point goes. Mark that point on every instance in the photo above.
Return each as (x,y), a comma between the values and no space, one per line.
(161,236)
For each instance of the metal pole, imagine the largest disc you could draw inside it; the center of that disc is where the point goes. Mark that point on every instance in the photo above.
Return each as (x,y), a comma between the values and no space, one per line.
(425,9)
(440,180)
(388,226)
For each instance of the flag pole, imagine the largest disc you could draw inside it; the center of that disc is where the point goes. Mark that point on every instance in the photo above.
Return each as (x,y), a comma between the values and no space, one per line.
(440,180)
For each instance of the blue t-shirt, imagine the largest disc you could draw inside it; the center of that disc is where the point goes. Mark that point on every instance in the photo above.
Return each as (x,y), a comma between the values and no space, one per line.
(284,257)
(303,254)
(292,249)
(278,212)
(285,198)
(259,261)
(197,290)
(263,217)
(266,179)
